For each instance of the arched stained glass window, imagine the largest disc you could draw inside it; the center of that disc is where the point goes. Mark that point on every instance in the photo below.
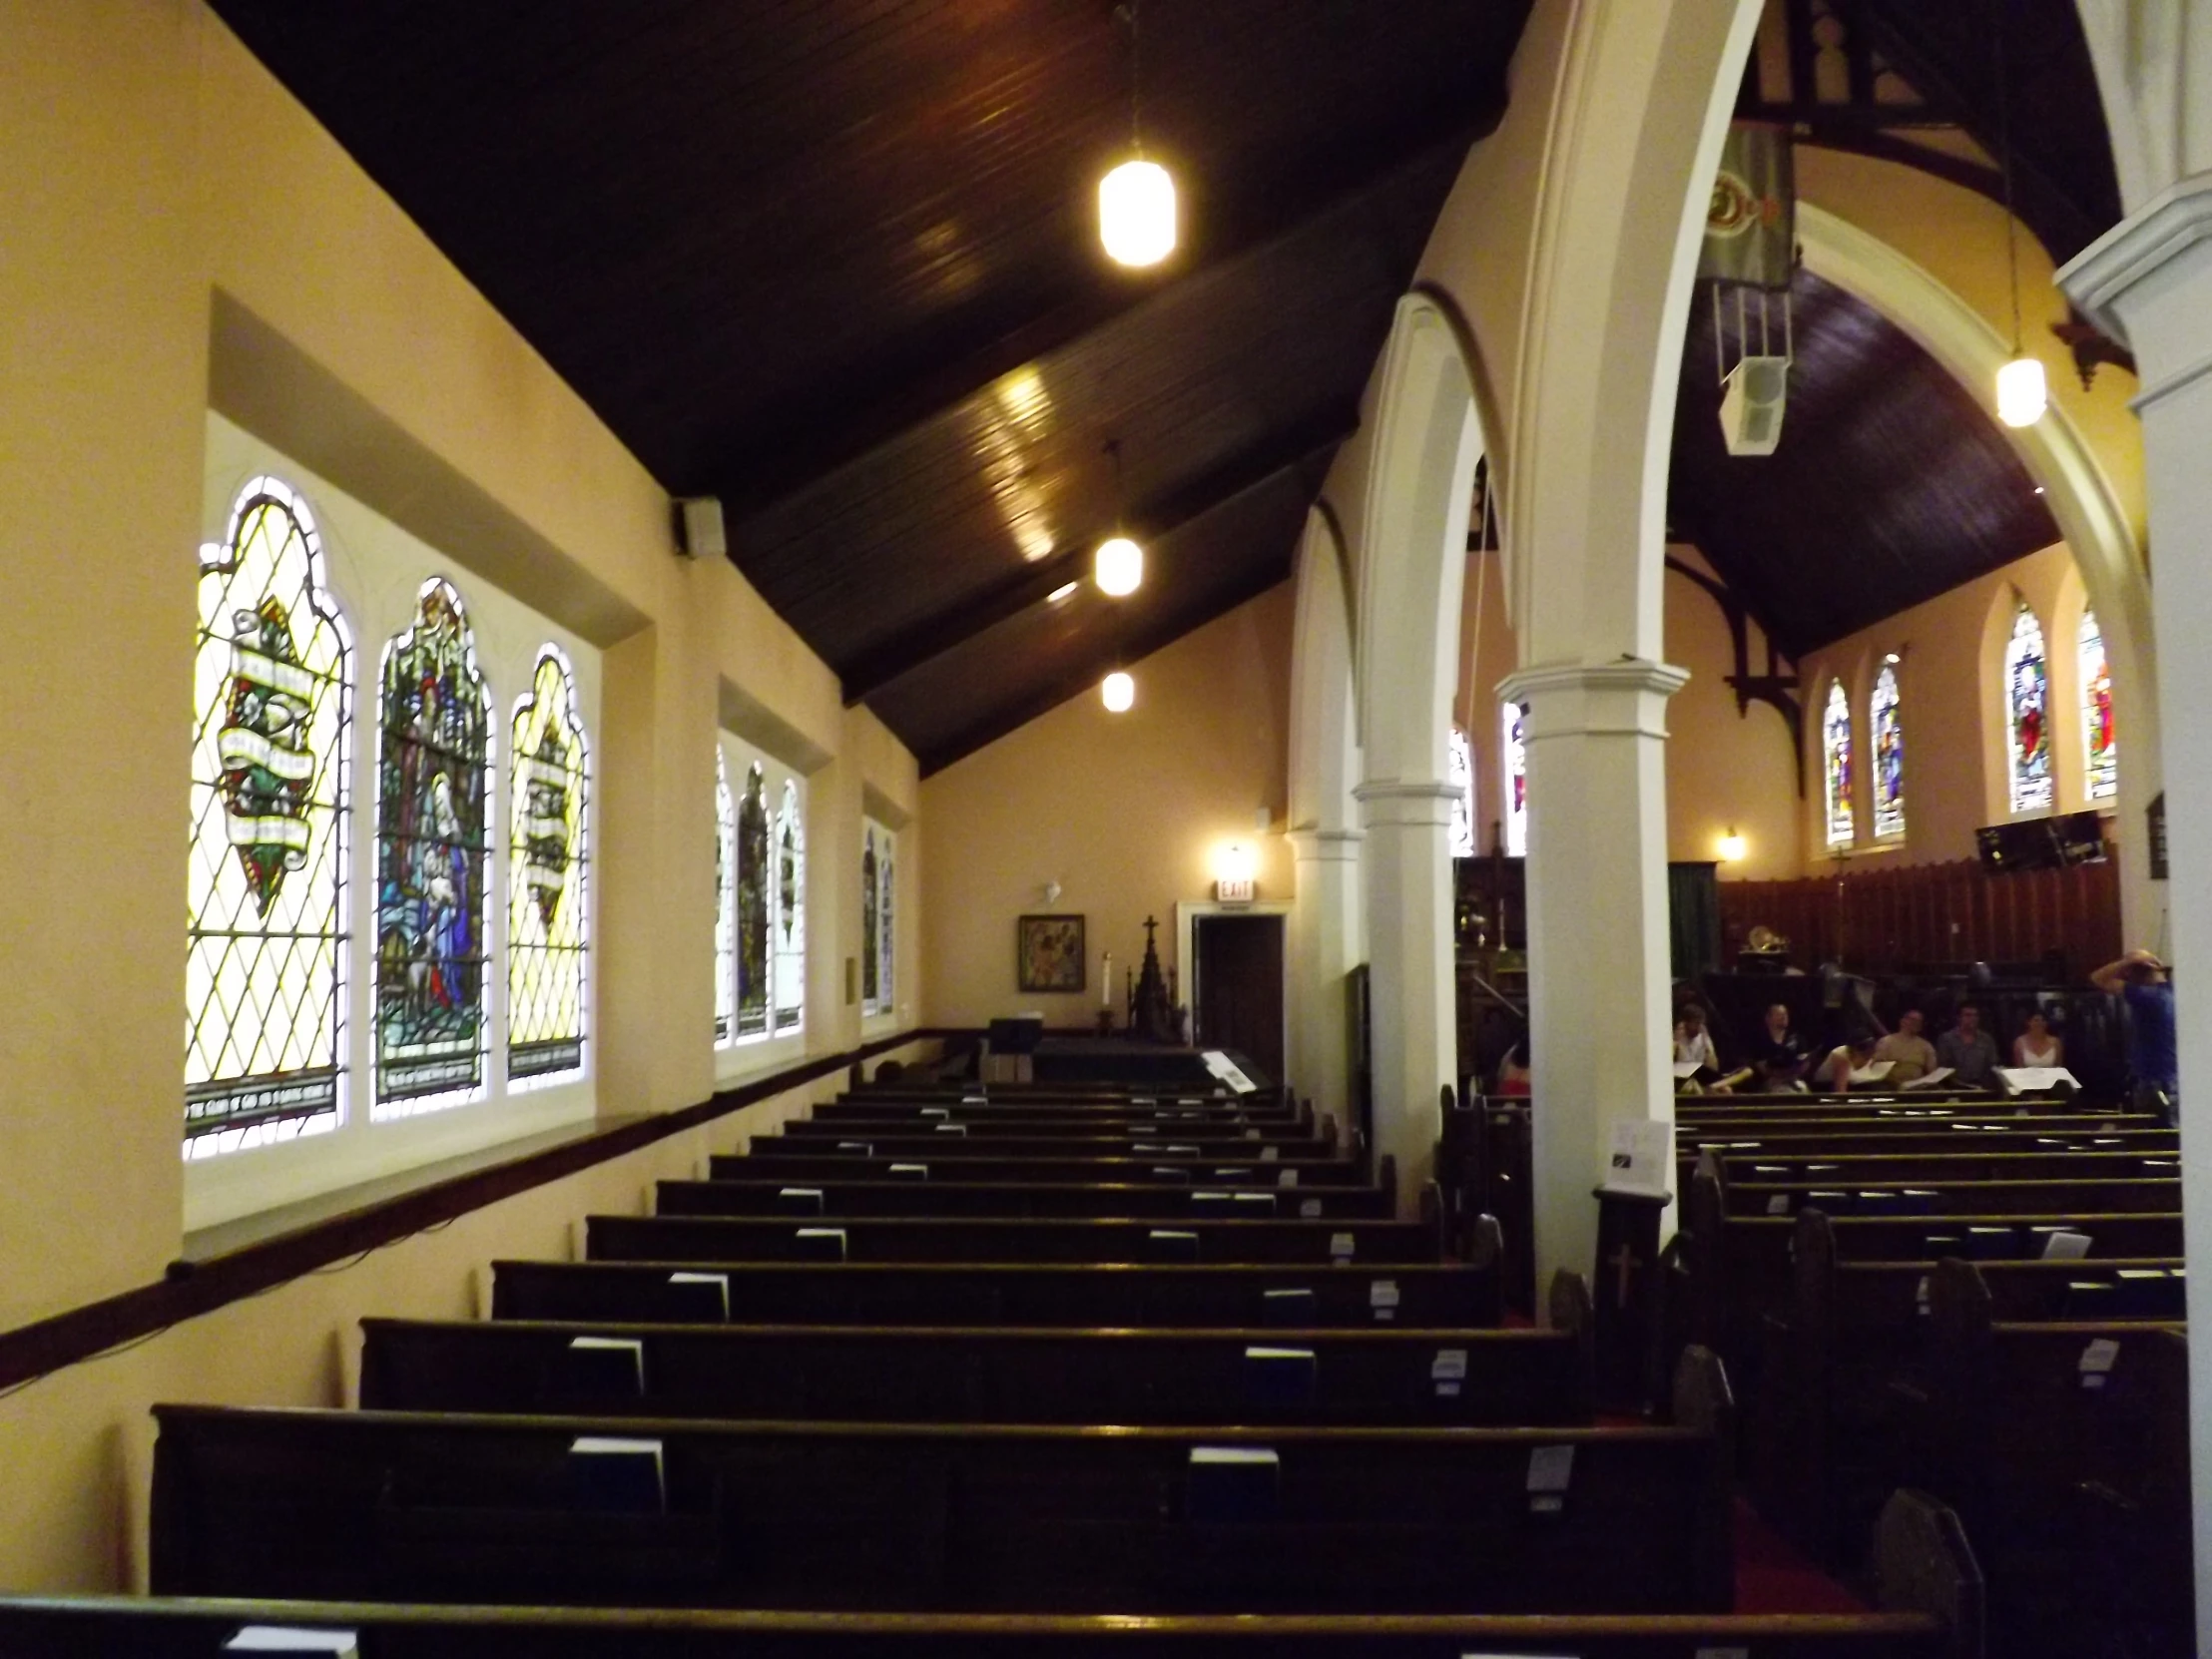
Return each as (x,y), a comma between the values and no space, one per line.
(265,921)
(791,911)
(1836,765)
(547,866)
(726,922)
(2100,756)
(432,780)
(870,994)
(1514,762)
(886,929)
(1460,762)
(1888,755)
(753,907)
(2027,714)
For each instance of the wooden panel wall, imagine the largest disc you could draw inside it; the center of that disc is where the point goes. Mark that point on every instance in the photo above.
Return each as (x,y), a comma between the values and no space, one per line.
(1888,921)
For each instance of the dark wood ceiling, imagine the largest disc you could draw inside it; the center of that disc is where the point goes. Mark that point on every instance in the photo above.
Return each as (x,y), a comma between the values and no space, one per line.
(835,261)
(1891,483)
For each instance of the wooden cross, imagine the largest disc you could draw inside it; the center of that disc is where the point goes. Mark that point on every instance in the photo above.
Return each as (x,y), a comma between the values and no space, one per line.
(1624,1263)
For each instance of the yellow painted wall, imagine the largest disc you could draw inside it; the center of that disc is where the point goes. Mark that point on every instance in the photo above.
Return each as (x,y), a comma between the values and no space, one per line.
(1125,811)
(181,235)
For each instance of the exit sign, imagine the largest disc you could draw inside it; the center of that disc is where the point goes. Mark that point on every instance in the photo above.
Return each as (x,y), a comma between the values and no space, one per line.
(1233,893)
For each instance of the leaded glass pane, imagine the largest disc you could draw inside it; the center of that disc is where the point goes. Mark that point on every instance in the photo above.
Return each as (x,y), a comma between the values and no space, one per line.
(2100,756)
(726,922)
(753,907)
(1889,757)
(2027,714)
(886,931)
(1460,767)
(791,911)
(265,887)
(1836,765)
(1514,761)
(546,878)
(432,780)
(869,997)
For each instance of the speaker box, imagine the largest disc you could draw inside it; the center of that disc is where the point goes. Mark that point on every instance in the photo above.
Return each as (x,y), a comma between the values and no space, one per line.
(698,527)
(1751,398)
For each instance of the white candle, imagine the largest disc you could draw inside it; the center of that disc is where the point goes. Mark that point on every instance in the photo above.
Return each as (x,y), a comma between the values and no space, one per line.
(1106,980)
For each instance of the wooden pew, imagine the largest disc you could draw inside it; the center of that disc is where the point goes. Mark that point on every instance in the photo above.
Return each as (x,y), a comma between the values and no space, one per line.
(1928,1590)
(800,1141)
(1883,1140)
(1109,1136)
(803,1163)
(935,1518)
(999,1239)
(2011,1195)
(728,1196)
(1286,1117)
(1381,1376)
(1421,1296)
(1858,1169)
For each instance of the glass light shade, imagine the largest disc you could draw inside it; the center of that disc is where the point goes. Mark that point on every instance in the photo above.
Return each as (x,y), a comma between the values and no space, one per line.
(1119,691)
(1136,212)
(1118,567)
(1733,849)
(1236,863)
(2021,394)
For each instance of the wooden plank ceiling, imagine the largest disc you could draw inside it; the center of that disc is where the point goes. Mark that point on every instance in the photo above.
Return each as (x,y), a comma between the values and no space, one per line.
(835,261)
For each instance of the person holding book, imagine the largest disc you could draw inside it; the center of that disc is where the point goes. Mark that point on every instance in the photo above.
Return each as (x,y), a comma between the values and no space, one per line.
(1693,1043)
(1908,1054)
(1847,1057)
(1969,1049)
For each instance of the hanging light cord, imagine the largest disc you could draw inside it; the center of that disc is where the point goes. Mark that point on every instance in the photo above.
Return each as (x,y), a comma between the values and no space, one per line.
(2005,165)
(1128,13)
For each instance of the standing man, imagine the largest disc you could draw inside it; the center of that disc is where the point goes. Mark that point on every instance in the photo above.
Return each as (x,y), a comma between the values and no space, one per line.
(2143,983)
(1967,1050)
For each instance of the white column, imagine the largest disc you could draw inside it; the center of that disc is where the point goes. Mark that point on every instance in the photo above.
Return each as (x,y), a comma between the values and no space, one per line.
(1414,1048)
(1323,945)
(1597,929)
(2149,281)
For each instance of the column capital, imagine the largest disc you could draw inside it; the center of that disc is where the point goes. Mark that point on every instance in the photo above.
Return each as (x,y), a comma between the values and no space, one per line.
(1387,802)
(2102,278)
(1627,697)
(1324,845)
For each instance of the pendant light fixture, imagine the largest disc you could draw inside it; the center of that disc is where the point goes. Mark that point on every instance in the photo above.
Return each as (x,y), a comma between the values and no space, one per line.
(2022,393)
(1119,691)
(1136,200)
(1118,565)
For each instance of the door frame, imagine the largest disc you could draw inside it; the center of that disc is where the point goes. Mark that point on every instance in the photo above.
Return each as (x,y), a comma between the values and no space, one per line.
(1188,912)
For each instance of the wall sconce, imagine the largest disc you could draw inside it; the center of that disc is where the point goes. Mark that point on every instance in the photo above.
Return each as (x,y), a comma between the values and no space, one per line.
(1734,849)
(1236,868)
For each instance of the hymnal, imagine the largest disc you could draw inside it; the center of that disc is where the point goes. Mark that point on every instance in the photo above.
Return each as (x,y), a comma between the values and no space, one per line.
(1291,1308)
(1228,1485)
(1929,1079)
(1173,1243)
(910,1172)
(604,1366)
(2065,1245)
(1281,1376)
(2035,1079)
(296,1640)
(606,1472)
(710,1288)
(807,1199)
(818,1243)
(1341,1246)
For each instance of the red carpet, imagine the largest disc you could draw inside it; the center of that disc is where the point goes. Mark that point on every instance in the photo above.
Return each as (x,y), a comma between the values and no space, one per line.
(1771,1577)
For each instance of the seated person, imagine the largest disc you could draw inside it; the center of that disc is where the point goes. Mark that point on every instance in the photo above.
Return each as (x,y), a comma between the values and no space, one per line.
(1778,1052)
(2035,1046)
(1909,1054)
(1969,1049)
(1512,1071)
(1693,1044)
(1845,1058)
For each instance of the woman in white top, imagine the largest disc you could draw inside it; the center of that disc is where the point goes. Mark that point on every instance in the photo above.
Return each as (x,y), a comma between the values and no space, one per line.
(2035,1046)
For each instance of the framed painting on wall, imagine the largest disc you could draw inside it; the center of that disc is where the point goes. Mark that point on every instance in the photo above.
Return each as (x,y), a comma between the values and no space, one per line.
(1048,953)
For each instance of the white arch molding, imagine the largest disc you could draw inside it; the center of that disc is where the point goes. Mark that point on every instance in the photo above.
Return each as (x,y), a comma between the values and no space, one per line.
(2080,496)
(1412,564)
(1325,935)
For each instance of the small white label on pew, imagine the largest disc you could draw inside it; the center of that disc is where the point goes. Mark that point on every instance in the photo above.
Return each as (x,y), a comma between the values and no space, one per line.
(813,1193)
(1252,1134)
(1920,1296)
(951,1128)
(1340,1246)
(1174,1151)
(1309,1209)
(1163,1233)
(1550,1469)
(1267,1153)
(1144,1100)
(1450,1365)
(1288,1178)
(2098,1361)
(1147,1147)
(720,1281)
(863,1148)
(620,1452)
(1189,1100)
(2065,1247)
(1306,1353)
(1168,1172)
(1235,1455)
(1209,1198)
(974,1100)
(837,1232)
(1383,1297)
(937,1111)
(1233,1172)
(1260,1201)
(1779,1205)
(919,1171)
(285,1638)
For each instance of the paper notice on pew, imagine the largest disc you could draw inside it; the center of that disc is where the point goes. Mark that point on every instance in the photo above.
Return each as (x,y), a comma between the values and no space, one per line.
(1640,1153)
(1223,1067)
(1929,1079)
(2020,1080)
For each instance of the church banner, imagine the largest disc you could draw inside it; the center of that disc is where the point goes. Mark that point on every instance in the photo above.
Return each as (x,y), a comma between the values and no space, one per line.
(1751,226)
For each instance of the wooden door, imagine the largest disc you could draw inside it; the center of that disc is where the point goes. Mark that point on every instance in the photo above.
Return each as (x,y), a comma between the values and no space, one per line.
(1240,987)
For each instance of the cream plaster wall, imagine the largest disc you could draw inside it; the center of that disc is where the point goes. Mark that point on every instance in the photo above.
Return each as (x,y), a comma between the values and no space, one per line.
(1951,691)
(1125,811)
(182,236)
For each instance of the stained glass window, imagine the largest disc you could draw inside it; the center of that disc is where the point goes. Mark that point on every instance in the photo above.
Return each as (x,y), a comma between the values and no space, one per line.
(432,778)
(1836,765)
(726,922)
(1460,765)
(2100,756)
(886,930)
(546,870)
(870,982)
(2027,714)
(266,924)
(1888,755)
(791,911)
(1514,762)
(753,907)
